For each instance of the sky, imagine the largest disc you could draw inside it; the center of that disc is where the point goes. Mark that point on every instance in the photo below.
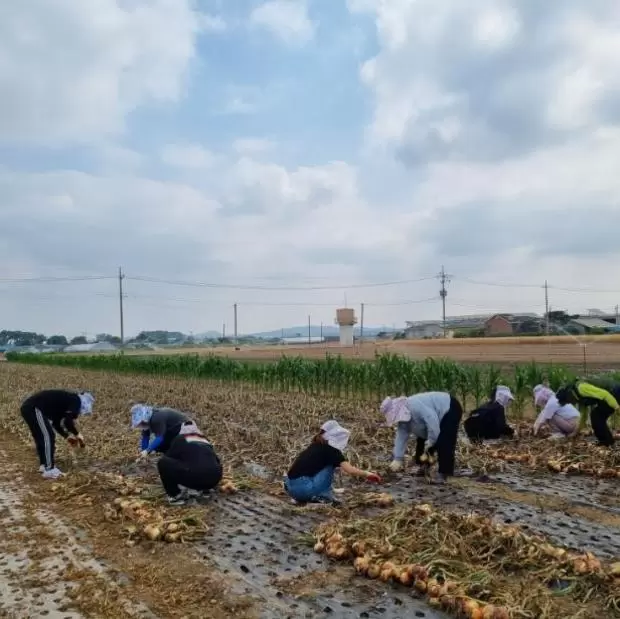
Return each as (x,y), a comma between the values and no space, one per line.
(291,156)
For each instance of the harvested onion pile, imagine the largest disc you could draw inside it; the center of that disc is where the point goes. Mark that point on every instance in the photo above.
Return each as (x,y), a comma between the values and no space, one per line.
(573,457)
(148,522)
(470,566)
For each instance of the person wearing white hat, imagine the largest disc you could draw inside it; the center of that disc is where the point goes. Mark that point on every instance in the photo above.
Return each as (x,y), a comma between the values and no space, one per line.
(434,418)
(563,421)
(310,478)
(190,466)
(163,423)
(50,411)
(488,422)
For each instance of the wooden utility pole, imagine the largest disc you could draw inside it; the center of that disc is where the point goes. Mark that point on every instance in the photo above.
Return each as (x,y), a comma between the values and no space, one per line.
(546,308)
(443,293)
(120,304)
(362,324)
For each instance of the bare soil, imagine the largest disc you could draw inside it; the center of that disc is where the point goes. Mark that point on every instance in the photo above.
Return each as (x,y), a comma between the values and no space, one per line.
(600,351)
(255,559)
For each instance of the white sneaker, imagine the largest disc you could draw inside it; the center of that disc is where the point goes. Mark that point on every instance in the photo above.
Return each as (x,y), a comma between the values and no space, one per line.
(190,493)
(52,473)
(396,465)
(42,468)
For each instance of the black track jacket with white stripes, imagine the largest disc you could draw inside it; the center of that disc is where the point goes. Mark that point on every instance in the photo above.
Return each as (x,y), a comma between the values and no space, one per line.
(59,406)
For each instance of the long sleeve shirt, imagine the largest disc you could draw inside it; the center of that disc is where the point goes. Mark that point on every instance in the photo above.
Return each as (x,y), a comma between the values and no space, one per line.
(61,407)
(427,411)
(587,394)
(163,421)
(195,451)
(553,407)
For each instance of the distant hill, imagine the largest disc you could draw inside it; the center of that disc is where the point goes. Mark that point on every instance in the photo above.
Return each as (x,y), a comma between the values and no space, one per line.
(315,331)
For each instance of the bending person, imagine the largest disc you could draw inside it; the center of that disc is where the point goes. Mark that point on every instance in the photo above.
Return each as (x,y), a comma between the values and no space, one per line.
(161,422)
(190,466)
(434,418)
(488,422)
(563,421)
(55,411)
(603,402)
(311,476)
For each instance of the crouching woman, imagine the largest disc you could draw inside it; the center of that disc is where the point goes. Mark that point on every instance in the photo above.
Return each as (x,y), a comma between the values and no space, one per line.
(563,421)
(190,466)
(311,476)
(162,422)
(488,422)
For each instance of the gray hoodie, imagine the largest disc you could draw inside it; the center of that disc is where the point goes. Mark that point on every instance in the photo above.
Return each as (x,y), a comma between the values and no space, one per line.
(427,410)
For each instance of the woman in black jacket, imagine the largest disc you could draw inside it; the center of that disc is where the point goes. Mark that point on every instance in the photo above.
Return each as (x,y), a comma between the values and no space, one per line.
(488,421)
(190,466)
(54,411)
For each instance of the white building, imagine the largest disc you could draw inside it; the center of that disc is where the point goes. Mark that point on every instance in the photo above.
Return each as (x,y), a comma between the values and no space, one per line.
(422,330)
(96,347)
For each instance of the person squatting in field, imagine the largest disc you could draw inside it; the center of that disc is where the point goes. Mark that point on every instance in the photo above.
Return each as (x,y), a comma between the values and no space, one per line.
(161,422)
(190,466)
(311,476)
(50,411)
(563,421)
(434,418)
(603,402)
(488,422)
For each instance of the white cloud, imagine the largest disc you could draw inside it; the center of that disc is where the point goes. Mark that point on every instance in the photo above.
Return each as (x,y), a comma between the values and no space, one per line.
(190,156)
(507,77)
(73,70)
(252,146)
(119,159)
(211,23)
(286,19)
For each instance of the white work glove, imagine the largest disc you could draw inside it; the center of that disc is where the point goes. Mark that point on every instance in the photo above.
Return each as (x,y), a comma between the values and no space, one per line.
(144,455)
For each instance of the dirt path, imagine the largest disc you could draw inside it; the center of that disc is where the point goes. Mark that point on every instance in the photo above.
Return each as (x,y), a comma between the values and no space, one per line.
(46,568)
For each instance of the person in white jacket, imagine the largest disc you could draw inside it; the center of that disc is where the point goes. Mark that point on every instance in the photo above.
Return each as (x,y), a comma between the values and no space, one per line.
(563,421)
(434,418)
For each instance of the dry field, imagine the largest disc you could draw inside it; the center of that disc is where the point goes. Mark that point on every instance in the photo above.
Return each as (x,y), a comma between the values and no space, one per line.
(600,351)
(543,543)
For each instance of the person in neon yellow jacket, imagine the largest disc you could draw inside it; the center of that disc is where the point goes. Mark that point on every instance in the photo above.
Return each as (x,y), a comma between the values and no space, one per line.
(602,401)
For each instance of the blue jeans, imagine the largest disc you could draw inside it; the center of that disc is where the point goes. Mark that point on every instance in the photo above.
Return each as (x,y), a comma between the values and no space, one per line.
(304,489)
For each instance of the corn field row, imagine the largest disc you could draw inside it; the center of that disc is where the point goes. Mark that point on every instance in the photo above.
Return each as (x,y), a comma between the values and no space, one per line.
(387,375)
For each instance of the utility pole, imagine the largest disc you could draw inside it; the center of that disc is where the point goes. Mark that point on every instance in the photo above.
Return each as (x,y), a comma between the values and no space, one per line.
(617,317)
(120,304)
(223,330)
(362,324)
(309,331)
(235,322)
(546,308)
(443,293)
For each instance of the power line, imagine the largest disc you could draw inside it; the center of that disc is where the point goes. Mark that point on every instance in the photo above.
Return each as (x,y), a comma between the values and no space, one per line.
(155,280)
(539,286)
(26,280)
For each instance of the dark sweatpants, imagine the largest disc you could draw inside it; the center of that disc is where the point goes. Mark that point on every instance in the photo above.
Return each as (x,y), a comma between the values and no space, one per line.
(599,415)
(175,472)
(446,444)
(42,433)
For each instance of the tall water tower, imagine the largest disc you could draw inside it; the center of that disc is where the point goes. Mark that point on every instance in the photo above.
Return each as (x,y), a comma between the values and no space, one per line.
(345,319)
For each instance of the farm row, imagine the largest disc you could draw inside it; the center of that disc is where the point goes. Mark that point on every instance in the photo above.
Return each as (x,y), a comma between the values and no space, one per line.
(440,555)
(332,375)
(592,351)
